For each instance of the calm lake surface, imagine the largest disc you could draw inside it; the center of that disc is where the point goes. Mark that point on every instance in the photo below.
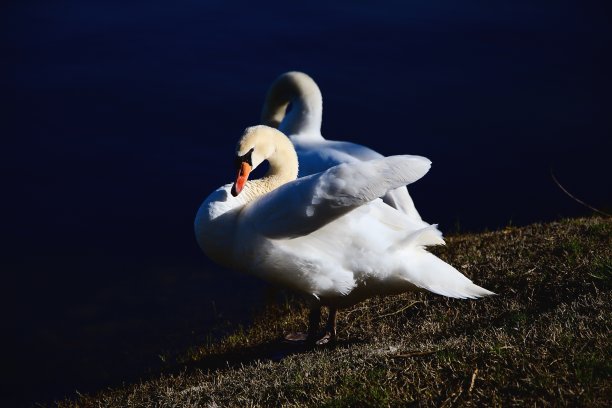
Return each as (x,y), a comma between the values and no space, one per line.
(119,118)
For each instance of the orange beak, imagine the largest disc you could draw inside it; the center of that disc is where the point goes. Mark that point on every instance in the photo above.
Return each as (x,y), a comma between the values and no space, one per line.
(241,178)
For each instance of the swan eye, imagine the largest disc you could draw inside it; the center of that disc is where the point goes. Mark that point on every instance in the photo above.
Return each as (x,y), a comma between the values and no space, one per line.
(244,158)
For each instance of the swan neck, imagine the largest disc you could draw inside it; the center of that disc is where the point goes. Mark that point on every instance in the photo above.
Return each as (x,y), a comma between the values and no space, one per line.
(306,101)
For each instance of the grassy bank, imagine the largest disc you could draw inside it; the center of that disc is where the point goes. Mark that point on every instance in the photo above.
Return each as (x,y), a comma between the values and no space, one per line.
(543,341)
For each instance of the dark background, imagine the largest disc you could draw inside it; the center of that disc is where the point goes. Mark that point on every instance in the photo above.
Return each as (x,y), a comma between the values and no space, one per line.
(119,117)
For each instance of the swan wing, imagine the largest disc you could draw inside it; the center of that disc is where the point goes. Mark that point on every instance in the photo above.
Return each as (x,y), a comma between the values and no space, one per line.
(300,207)
(320,154)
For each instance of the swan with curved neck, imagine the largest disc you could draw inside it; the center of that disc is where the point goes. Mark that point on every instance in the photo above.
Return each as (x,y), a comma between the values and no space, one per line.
(302,123)
(326,235)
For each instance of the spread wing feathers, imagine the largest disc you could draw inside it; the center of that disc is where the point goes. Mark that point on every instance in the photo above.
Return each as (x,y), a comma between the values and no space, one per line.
(305,205)
(316,156)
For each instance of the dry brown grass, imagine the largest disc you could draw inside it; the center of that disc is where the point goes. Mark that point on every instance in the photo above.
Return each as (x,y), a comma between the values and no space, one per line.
(543,341)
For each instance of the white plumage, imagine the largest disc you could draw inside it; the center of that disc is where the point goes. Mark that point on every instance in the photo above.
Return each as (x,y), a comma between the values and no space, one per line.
(326,235)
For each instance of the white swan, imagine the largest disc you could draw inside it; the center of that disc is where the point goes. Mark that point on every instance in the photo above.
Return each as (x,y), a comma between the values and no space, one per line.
(327,235)
(303,126)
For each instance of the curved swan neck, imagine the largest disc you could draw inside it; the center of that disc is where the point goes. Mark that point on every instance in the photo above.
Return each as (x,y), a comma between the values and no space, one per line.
(284,160)
(306,111)
(278,150)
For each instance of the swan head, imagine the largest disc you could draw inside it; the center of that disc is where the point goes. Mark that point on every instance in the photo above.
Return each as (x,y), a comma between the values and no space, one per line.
(259,143)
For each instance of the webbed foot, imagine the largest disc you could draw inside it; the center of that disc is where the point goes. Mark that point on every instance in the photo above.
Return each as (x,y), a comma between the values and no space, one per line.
(328,338)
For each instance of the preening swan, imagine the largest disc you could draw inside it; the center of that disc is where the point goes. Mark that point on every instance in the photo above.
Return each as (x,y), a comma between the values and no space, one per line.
(303,126)
(328,235)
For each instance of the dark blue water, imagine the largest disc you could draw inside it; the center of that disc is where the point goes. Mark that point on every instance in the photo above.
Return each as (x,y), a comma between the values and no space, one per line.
(119,117)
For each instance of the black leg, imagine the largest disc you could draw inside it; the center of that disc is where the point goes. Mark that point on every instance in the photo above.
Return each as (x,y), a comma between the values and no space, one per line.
(314,320)
(330,328)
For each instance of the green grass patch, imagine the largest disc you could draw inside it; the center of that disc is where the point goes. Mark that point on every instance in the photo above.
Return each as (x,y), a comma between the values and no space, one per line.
(544,340)
(369,389)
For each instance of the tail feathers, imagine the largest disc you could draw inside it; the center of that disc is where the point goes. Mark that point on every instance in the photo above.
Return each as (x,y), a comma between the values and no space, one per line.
(429,272)
(470,291)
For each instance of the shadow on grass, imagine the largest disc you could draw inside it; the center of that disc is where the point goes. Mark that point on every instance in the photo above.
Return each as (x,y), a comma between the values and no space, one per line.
(274,350)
